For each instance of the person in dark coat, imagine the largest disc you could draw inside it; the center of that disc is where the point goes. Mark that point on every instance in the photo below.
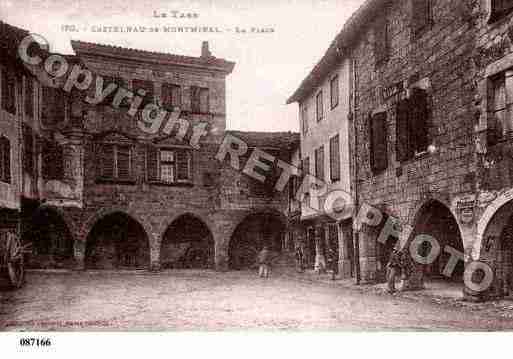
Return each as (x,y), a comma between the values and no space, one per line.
(300,259)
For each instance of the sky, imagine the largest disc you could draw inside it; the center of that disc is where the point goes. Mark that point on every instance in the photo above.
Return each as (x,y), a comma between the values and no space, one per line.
(269,65)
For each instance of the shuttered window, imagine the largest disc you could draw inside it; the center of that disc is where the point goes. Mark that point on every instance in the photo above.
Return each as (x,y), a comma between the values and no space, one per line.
(412,117)
(404,148)
(335,158)
(199,99)
(500,8)
(147,86)
(8,91)
(319,107)
(381,41)
(420,113)
(54,107)
(168,165)
(5,160)
(107,80)
(304,118)
(305,166)
(378,142)
(29,97)
(115,162)
(28,149)
(53,161)
(171,96)
(334,93)
(421,16)
(319,163)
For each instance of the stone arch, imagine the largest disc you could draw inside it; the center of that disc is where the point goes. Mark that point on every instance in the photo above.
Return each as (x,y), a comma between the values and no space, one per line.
(187,242)
(256,228)
(49,231)
(435,217)
(116,239)
(489,224)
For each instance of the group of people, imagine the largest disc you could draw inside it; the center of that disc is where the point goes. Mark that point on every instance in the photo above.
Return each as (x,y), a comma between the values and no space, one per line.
(396,267)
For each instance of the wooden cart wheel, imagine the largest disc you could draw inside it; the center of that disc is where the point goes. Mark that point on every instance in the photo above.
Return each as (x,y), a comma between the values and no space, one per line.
(15,262)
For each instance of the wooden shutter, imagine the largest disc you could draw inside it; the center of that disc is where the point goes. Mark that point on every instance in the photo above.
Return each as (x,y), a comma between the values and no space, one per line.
(335,158)
(152,164)
(381,40)
(378,143)
(419,118)
(107,157)
(28,149)
(403,146)
(29,96)
(204,100)
(123,162)
(421,15)
(319,163)
(5,147)
(182,165)
(195,99)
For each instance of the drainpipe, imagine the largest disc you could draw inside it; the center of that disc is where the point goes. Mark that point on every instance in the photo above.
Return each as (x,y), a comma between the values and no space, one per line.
(356,237)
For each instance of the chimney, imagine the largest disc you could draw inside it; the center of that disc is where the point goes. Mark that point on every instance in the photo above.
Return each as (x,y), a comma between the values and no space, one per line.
(205,51)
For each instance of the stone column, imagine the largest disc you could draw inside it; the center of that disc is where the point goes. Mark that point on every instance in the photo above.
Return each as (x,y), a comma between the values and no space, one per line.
(79,248)
(155,254)
(344,262)
(320,260)
(368,255)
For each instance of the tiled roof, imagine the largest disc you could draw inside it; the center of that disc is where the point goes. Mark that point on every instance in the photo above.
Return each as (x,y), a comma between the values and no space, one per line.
(336,51)
(82,48)
(279,140)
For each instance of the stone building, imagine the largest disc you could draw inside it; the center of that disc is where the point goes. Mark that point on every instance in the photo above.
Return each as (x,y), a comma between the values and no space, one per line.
(430,106)
(324,106)
(103,189)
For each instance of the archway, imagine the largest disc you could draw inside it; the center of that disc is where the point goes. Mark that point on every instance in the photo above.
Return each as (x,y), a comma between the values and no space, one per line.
(497,248)
(117,241)
(50,238)
(436,220)
(251,235)
(187,243)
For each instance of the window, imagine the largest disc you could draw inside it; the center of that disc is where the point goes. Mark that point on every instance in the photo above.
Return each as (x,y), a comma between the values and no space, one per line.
(171,96)
(53,161)
(421,16)
(114,162)
(499,120)
(335,158)
(199,100)
(378,142)
(169,165)
(28,149)
(305,166)
(411,125)
(5,160)
(320,108)
(8,91)
(500,8)
(319,163)
(54,107)
(109,100)
(381,41)
(29,96)
(334,92)
(304,118)
(147,86)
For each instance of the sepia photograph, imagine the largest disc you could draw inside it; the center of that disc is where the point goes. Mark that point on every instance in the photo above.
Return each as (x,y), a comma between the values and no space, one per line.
(321,168)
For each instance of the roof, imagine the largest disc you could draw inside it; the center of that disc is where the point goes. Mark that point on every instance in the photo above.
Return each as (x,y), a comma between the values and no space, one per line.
(10,37)
(278,140)
(87,48)
(337,49)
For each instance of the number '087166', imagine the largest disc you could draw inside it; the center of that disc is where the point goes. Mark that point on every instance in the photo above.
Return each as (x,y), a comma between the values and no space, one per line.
(35,342)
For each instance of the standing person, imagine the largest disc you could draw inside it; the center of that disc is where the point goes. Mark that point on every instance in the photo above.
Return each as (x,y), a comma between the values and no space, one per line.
(333,262)
(394,269)
(300,258)
(264,263)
